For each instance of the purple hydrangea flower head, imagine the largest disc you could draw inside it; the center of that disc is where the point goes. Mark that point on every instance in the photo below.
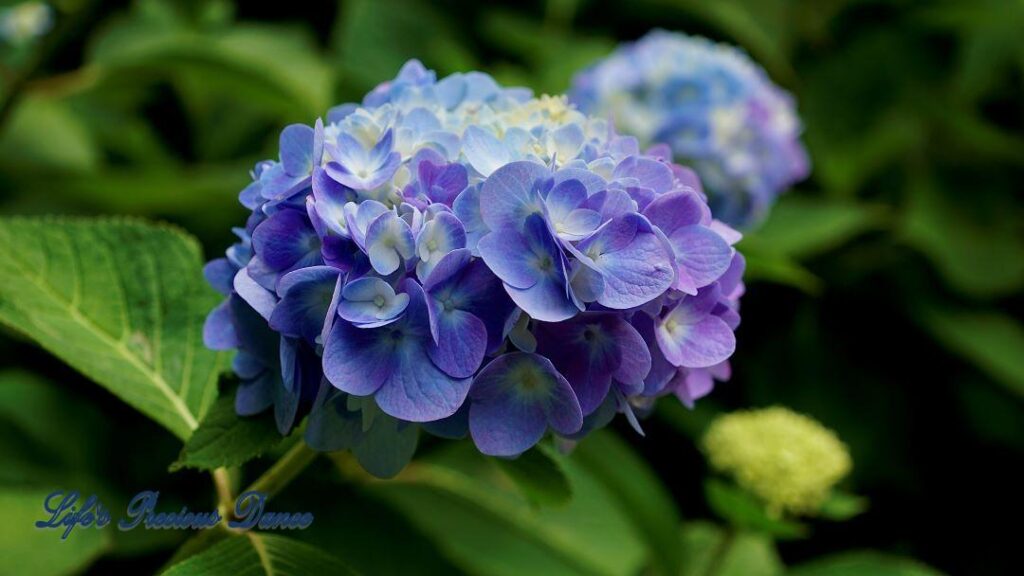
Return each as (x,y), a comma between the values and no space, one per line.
(461,258)
(714,108)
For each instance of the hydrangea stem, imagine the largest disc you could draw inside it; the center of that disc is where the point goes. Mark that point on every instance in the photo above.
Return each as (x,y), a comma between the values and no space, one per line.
(284,470)
(222,482)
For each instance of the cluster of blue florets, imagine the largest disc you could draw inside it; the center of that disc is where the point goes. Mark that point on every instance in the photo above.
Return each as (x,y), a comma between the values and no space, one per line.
(717,109)
(464,258)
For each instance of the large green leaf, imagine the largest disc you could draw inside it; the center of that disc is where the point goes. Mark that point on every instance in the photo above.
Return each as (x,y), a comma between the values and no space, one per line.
(975,246)
(272,64)
(539,477)
(992,341)
(33,450)
(413,30)
(120,300)
(226,439)
(483,524)
(25,549)
(639,494)
(710,550)
(801,226)
(259,553)
(860,563)
(45,134)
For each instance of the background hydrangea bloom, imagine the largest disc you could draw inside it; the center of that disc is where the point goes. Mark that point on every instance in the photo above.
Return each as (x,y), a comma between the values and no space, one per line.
(717,110)
(463,257)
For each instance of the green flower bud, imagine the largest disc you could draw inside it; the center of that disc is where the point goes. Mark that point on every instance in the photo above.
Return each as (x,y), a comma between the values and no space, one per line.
(788,460)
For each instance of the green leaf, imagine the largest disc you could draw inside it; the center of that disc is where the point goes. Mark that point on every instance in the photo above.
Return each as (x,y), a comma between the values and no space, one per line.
(120,300)
(800,227)
(860,563)
(744,511)
(843,506)
(710,550)
(47,135)
(33,450)
(639,494)
(24,549)
(992,341)
(701,540)
(779,269)
(538,476)
(976,247)
(259,553)
(226,439)
(182,190)
(481,522)
(413,29)
(268,63)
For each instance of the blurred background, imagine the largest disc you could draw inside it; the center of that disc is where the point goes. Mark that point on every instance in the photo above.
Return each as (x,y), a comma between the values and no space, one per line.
(884,293)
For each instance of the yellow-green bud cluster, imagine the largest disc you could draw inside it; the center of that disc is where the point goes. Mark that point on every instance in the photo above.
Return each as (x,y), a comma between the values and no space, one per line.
(788,460)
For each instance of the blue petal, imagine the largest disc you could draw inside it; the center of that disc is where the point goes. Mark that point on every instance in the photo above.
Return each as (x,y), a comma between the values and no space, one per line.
(647,172)
(287,239)
(676,209)
(634,263)
(255,396)
(701,252)
(509,255)
(514,399)
(297,149)
(510,194)
(220,273)
(389,241)
(358,361)
(484,152)
(219,328)
(259,298)
(461,340)
(306,297)
(437,238)
(467,208)
(473,288)
(417,391)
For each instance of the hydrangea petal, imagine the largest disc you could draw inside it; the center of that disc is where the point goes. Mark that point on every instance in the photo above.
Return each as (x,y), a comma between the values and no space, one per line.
(389,241)
(696,345)
(702,253)
(484,151)
(513,400)
(306,297)
(509,195)
(632,260)
(297,149)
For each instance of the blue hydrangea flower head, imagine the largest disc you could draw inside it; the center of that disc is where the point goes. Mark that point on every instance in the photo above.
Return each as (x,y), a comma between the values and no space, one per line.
(465,259)
(716,109)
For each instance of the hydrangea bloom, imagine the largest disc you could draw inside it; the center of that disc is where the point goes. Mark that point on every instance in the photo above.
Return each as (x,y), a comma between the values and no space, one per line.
(468,259)
(717,110)
(788,460)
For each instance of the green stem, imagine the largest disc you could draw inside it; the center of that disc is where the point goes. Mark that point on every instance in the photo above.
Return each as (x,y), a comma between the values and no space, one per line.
(225,500)
(284,470)
(721,550)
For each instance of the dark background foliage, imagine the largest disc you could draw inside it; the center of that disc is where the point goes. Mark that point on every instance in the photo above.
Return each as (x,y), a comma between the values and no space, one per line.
(884,293)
